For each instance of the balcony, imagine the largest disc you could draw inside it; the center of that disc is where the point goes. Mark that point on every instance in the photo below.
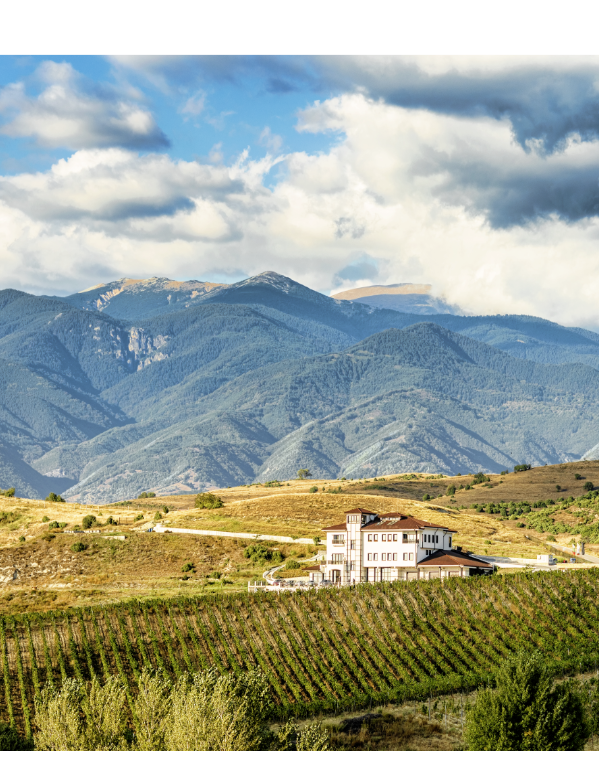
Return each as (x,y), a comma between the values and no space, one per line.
(339,543)
(336,562)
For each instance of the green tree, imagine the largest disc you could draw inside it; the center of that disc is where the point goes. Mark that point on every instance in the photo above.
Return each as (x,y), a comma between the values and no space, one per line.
(54,497)
(526,711)
(208,501)
(303,474)
(88,521)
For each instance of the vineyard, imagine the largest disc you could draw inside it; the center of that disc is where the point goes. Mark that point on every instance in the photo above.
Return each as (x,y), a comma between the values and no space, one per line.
(323,651)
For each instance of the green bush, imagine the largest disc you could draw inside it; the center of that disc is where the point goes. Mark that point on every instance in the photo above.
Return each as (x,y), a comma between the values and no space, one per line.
(54,497)
(12,741)
(188,567)
(165,510)
(588,486)
(504,472)
(111,521)
(53,524)
(292,565)
(522,467)
(527,712)
(88,521)
(21,538)
(303,474)
(138,517)
(45,519)
(577,476)
(9,492)
(313,489)
(451,490)
(208,501)
(78,546)
(426,497)
(147,495)
(157,516)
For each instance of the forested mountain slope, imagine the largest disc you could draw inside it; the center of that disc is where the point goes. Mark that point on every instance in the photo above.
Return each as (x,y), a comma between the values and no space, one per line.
(257,378)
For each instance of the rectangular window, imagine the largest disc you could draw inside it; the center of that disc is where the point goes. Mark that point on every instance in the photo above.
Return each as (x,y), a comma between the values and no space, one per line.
(405,537)
(376,537)
(370,556)
(405,556)
(338,539)
(352,544)
(337,558)
(450,542)
(394,537)
(395,555)
(389,556)
(352,566)
(384,538)
(436,539)
(383,556)
(411,555)
(369,537)
(375,556)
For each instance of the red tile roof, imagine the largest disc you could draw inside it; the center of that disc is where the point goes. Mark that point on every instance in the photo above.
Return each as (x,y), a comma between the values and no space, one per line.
(389,520)
(451,557)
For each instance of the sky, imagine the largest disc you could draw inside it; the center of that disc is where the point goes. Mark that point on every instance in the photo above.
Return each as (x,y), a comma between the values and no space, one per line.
(476,174)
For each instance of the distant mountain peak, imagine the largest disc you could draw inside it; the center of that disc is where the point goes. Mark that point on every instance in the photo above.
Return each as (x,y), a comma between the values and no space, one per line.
(414,298)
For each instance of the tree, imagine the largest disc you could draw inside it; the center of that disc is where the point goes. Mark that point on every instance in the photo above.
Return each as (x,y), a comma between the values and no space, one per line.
(588,486)
(208,501)
(303,474)
(88,521)
(54,498)
(526,712)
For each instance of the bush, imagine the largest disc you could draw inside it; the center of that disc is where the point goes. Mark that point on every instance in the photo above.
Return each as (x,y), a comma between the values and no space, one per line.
(451,490)
(12,741)
(164,510)
(588,486)
(208,501)
(577,476)
(21,538)
(147,495)
(314,489)
(526,712)
(521,525)
(9,492)
(157,516)
(88,521)
(111,521)
(188,567)
(138,517)
(292,565)
(316,540)
(426,497)
(54,497)
(53,524)
(522,467)
(260,554)
(78,546)
(504,472)
(45,519)
(303,474)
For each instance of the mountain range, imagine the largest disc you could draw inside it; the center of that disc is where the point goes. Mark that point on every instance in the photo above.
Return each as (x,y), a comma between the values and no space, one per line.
(177,387)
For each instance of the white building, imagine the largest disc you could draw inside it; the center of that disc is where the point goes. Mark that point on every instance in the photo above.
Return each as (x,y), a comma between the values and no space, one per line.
(373,547)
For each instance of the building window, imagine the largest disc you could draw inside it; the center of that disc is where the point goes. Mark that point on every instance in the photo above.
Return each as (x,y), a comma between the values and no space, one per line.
(405,556)
(337,558)
(395,555)
(389,556)
(394,537)
(369,556)
(450,542)
(383,556)
(411,555)
(338,539)
(352,566)
(369,537)
(375,556)
(352,544)
(376,537)
(436,539)
(353,518)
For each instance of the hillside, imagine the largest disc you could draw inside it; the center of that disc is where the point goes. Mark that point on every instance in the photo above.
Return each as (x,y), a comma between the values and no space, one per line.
(225,384)
(402,297)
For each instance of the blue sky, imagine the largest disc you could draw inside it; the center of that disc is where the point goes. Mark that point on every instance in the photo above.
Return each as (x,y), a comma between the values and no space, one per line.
(478,175)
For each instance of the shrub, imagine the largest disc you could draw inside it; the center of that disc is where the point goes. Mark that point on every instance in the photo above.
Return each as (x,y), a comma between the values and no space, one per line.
(164,509)
(21,538)
(588,486)
(313,489)
(48,536)
(451,490)
(526,711)
(188,567)
(45,519)
(303,474)
(53,524)
(78,546)
(12,741)
(138,517)
(558,487)
(577,476)
(9,492)
(88,521)
(147,495)
(260,554)
(111,521)
(504,472)
(522,467)
(157,516)
(551,538)
(521,525)
(208,501)
(292,565)
(316,540)
(426,497)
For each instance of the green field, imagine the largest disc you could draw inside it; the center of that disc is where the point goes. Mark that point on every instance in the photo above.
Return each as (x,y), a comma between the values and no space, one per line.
(323,651)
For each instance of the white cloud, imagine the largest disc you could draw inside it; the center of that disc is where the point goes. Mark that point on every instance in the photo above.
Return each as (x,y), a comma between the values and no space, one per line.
(195,104)
(402,189)
(70,112)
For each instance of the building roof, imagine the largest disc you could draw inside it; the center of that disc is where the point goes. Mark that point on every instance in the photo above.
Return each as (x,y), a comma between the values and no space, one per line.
(445,557)
(388,521)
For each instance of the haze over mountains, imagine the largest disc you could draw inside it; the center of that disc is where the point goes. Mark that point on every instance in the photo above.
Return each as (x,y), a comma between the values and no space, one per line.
(175,387)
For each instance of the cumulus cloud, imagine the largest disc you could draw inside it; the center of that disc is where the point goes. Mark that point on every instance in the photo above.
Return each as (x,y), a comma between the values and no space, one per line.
(402,195)
(74,113)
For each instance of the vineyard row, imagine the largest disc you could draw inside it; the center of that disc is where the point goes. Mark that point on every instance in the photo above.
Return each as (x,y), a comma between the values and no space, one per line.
(323,651)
